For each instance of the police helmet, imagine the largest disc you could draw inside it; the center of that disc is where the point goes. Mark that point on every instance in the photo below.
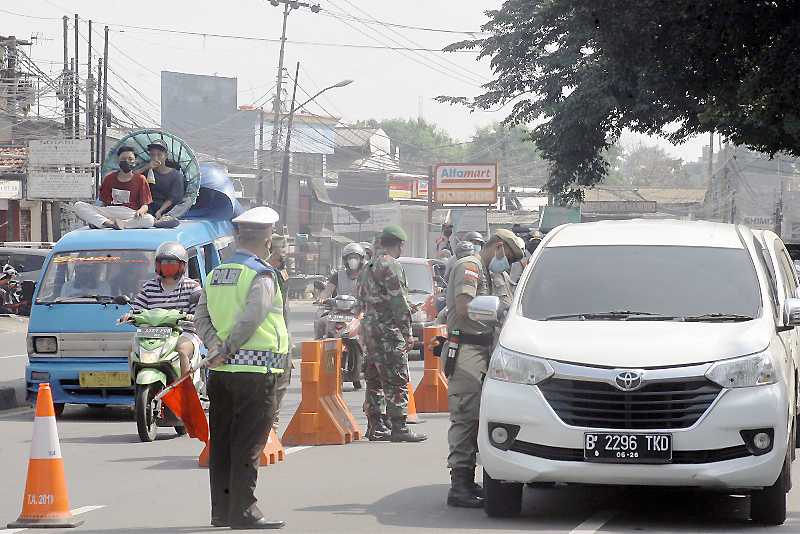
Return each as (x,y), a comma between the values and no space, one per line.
(474,237)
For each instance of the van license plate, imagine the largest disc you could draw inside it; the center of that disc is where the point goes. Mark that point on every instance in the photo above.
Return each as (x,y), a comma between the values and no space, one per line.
(104,379)
(627,448)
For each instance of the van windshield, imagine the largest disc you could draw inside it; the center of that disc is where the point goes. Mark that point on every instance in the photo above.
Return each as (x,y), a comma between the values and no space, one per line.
(604,282)
(94,275)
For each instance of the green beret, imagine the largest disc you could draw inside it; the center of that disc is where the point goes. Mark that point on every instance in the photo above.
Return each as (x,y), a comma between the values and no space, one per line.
(394,231)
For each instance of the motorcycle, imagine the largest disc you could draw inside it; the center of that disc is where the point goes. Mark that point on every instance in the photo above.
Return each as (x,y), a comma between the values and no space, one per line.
(12,294)
(155,364)
(341,319)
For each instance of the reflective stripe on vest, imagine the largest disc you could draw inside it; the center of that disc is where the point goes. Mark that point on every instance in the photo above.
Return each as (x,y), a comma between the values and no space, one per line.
(227,287)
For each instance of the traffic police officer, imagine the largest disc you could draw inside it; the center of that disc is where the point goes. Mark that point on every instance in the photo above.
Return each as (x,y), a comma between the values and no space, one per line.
(240,318)
(470,277)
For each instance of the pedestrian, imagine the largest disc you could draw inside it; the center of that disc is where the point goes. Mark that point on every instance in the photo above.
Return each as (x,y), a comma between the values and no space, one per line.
(125,197)
(383,292)
(470,244)
(277,260)
(240,319)
(470,277)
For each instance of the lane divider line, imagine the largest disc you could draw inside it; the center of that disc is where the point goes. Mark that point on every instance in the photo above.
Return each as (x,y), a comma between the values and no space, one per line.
(594,523)
(13,356)
(76,511)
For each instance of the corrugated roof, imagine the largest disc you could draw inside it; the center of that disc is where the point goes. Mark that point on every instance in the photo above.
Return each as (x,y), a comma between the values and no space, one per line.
(354,137)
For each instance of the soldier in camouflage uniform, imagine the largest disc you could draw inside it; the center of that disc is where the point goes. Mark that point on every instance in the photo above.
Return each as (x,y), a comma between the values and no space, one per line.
(472,276)
(382,290)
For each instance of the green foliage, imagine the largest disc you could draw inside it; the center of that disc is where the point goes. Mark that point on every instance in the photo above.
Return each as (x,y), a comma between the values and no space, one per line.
(520,163)
(421,143)
(583,71)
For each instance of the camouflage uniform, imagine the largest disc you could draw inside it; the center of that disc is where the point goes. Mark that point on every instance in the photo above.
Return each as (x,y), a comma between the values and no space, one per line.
(383,290)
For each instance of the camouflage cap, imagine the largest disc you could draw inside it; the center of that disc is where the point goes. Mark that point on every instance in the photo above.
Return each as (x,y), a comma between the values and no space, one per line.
(394,231)
(512,241)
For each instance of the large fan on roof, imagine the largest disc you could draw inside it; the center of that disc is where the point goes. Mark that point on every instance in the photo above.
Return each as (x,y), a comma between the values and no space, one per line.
(177,151)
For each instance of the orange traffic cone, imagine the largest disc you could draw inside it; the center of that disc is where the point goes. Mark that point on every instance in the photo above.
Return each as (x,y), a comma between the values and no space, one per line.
(45,503)
(412,417)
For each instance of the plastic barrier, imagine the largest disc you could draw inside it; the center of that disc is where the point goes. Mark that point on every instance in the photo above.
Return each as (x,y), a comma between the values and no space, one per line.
(323,417)
(45,503)
(272,454)
(431,394)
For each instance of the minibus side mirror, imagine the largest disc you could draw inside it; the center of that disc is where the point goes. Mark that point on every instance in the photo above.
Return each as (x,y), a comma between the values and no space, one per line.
(485,309)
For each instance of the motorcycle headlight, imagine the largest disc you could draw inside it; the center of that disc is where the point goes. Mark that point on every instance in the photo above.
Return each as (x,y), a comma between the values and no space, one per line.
(510,366)
(149,356)
(748,371)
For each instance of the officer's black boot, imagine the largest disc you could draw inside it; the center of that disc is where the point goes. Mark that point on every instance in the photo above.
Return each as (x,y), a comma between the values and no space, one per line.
(376,430)
(401,433)
(387,422)
(475,488)
(461,492)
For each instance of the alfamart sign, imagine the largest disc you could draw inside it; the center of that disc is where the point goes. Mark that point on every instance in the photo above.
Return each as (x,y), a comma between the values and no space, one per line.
(465,183)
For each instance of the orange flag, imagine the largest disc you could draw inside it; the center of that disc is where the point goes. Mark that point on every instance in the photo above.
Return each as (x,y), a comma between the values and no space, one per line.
(184,402)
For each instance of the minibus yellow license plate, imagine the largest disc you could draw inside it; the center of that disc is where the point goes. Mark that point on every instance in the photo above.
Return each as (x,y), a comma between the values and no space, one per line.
(104,379)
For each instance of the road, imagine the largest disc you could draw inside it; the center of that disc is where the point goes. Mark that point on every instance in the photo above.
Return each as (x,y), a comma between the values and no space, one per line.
(123,486)
(13,357)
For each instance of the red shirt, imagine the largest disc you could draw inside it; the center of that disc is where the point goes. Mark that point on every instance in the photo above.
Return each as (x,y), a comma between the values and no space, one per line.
(133,194)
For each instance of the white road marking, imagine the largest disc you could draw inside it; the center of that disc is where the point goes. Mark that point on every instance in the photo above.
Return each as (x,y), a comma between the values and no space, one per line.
(76,511)
(290,450)
(13,356)
(594,523)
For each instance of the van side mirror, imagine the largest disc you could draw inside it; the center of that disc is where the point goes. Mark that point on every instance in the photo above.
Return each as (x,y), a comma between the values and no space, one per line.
(485,309)
(791,312)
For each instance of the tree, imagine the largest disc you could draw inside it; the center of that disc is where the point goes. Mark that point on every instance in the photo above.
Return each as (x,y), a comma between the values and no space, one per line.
(583,71)
(651,166)
(520,162)
(421,143)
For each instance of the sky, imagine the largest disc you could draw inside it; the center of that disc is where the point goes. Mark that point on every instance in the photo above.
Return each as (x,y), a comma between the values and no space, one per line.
(387,83)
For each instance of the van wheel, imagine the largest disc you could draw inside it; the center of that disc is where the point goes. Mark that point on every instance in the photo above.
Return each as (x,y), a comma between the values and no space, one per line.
(58,408)
(502,499)
(768,506)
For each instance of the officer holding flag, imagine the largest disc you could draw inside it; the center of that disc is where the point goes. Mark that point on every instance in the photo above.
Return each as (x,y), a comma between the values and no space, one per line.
(240,319)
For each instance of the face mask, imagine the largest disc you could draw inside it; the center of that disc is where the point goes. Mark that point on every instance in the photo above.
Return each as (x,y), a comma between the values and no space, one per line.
(477,247)
(125,166)
(353,263)
(169,270)
(499,265)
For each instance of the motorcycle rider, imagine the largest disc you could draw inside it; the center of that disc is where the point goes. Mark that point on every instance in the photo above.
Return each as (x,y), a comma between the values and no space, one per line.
(171,289)
(369,251)
(343,281)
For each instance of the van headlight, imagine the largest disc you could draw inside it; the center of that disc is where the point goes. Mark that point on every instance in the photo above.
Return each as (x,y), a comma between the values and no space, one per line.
(748,371)
(510,366)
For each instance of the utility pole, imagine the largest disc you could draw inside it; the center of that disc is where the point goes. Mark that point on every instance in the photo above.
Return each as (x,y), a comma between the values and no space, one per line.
(90,103)
(288,6)
(105,100)
(65,77)
(710,172)
(98,123)
(12,214)
(76,81)
(260,158)
(284,200)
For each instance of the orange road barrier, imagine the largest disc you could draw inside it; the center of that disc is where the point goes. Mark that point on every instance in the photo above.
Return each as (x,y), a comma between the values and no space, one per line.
(431,394)
(272,454)
(323,417)
(45,503)
(412,416)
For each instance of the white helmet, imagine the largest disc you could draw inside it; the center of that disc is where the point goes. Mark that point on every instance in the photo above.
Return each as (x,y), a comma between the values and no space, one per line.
(353,248)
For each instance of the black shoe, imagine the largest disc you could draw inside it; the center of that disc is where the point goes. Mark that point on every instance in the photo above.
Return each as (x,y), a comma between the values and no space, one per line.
(166,222)
(260,524)
(402,434)
(376,430)
(218,522)
(461,493)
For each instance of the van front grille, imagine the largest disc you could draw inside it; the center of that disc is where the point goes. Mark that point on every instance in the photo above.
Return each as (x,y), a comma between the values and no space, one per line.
(660,405)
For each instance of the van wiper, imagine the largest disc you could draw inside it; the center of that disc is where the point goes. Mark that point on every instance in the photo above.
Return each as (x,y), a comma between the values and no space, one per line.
(717,317)
(617,315)
(104,299)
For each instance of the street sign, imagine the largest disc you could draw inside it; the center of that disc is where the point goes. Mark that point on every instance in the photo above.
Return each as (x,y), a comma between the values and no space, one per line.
(469,220)
(10,189)
(59,185)
(619,206)
(465,183)
(60,152)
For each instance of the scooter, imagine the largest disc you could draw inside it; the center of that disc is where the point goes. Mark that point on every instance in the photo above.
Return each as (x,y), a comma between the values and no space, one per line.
(155,364)
(341,320)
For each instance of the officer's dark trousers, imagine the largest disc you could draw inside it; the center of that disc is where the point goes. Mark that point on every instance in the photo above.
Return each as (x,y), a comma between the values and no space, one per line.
(240,418)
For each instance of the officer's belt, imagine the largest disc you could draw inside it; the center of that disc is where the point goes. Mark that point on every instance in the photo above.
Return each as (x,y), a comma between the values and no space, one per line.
(260,358)
(482,340)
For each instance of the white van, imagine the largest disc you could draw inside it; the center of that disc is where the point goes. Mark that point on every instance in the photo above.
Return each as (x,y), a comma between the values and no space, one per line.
(653,353)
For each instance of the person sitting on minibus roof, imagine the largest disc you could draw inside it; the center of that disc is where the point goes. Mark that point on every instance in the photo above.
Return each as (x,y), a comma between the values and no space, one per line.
(125,196)
(166,185)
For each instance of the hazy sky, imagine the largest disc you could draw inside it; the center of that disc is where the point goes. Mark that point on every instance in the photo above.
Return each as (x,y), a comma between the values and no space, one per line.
(387,84)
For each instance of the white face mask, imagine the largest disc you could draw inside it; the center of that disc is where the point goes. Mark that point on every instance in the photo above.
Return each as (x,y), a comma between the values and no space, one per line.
(353,263)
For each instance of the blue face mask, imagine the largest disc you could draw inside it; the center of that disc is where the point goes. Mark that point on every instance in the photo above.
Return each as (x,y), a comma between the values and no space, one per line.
(477,247)
(499,265)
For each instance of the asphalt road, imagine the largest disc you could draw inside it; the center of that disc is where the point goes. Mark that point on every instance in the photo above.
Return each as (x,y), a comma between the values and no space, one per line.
(13,357)
(120,485)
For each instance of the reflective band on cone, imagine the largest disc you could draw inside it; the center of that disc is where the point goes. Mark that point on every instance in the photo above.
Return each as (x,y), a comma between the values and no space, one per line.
(45,502)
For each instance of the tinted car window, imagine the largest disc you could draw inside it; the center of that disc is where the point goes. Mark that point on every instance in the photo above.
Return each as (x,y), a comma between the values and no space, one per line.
(675,281)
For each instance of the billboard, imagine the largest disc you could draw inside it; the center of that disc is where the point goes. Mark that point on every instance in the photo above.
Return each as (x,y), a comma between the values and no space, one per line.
(465,183)
(60,152)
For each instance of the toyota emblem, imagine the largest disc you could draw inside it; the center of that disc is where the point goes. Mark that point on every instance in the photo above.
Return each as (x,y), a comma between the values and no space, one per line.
(628,380)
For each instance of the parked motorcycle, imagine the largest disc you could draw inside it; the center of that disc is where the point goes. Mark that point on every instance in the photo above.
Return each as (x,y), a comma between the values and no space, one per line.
(155,364)
(341,318)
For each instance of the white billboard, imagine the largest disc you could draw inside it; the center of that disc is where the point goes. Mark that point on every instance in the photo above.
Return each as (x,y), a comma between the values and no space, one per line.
(60,152)
(465,183)
(59,185)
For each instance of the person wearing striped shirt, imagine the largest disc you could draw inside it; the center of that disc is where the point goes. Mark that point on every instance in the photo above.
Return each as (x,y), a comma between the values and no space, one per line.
(172,289)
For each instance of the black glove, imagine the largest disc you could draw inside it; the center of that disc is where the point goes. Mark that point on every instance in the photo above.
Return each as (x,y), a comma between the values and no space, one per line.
(437,349)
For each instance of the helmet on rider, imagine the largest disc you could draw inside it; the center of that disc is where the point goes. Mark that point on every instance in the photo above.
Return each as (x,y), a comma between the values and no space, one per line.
(171,260)
(476,239)
(353,256)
